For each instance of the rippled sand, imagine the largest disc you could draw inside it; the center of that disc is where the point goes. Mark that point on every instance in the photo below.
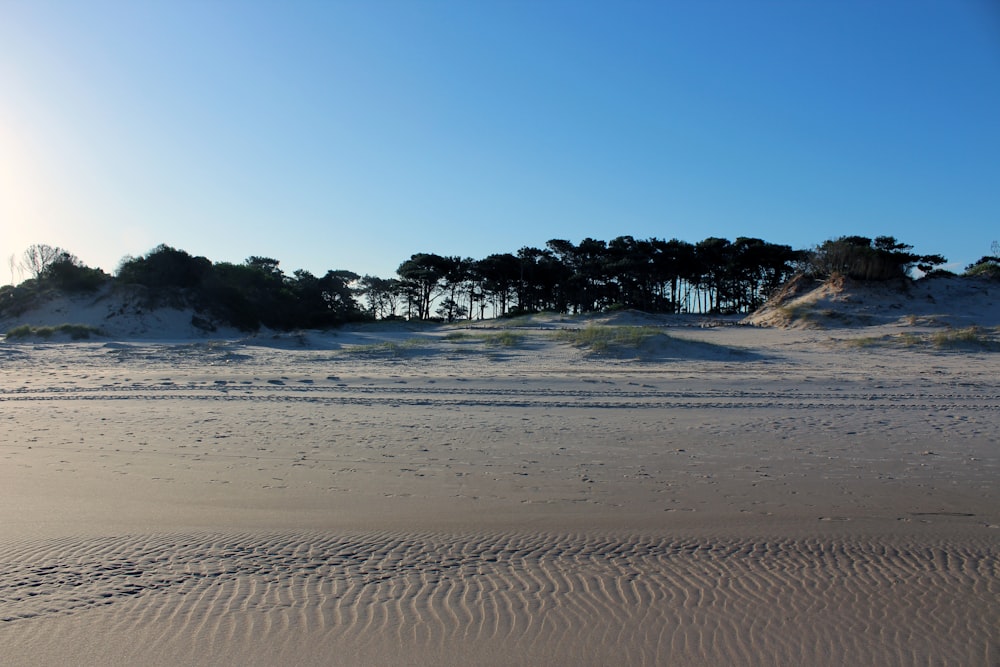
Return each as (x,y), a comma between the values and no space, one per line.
(774,498)
(502,598)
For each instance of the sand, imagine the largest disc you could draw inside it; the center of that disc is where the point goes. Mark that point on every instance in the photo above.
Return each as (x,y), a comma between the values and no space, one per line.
(428,495)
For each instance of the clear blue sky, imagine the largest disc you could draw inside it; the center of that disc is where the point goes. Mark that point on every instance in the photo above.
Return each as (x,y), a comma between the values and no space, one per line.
(350,135)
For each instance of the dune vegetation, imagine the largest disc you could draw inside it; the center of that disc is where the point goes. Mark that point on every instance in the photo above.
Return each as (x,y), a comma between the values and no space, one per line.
(73,331)
(969,339)
(489,338)
(600,339)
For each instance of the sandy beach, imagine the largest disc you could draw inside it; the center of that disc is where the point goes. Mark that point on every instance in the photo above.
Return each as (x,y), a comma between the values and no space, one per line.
(499,333)
(403,494)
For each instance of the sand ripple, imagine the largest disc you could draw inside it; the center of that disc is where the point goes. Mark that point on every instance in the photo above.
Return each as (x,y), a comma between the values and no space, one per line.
(510,598)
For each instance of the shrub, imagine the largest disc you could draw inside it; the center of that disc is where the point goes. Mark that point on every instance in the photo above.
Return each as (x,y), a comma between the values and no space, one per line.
(986,267)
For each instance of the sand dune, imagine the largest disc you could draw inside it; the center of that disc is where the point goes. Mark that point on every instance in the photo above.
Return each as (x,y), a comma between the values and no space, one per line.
(405,495)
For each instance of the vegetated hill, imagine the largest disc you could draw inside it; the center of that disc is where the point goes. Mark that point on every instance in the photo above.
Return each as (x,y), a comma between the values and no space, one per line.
(116,311)
(956,301)
(129,311)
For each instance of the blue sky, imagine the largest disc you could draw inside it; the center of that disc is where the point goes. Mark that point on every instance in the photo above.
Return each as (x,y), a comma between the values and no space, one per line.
(350,135)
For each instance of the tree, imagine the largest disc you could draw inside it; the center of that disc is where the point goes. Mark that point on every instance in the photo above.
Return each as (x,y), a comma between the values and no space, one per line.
(164,267)
(456,278)
(424,273)
(68,273)
(37,257)
(571,287)
(450,309)
(225,291)
(320,302)
(630,273)
(500,275)
(338,295)
(266,267)
(674,265)
(758,269)
(862,258)
(592,258)
(382,295)
(539,284)
(714,261)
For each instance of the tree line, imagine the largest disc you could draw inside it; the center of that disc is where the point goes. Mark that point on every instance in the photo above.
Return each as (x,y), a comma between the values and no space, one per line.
(715,275)
(653,275)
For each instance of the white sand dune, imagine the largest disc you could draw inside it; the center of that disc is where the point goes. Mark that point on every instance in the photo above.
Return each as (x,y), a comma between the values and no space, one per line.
(403,494)
(942,301)
(119,312)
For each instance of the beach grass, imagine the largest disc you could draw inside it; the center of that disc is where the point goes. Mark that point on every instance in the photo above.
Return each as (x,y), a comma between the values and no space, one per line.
(604,339)
(388,348)
(73,331)
(800,313)
(867,341)
(975,339)
(490,339)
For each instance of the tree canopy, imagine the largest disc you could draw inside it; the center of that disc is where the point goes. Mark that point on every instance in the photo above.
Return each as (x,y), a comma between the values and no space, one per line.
(653,275)
(862,258)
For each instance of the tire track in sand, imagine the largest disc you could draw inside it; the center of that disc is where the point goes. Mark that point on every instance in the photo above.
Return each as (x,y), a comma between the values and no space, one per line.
(515,397)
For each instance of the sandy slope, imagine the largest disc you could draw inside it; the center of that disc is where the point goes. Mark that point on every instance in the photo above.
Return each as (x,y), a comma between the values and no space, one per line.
(119,312)
(411,495)
(943,301)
